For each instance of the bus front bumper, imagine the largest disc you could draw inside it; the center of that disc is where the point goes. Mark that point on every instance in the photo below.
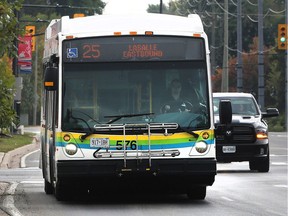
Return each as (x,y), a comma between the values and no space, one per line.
(193,171)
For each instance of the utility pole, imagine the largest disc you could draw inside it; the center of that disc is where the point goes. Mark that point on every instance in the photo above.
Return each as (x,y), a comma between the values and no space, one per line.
(239,47)
(286,84)
(225,74)
(213,41)
(261,85)
(161,4)
(35,85)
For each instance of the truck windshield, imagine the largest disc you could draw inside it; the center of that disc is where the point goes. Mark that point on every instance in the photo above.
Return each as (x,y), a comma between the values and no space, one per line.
(135,92)
(240,105)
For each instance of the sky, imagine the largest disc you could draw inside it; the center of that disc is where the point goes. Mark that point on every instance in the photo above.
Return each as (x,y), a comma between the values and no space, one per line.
(129,6)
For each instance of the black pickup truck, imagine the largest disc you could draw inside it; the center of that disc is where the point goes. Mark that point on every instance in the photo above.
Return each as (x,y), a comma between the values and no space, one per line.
(246,137)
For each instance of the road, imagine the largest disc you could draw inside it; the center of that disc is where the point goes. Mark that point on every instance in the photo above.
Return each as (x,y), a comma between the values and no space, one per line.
(236,191)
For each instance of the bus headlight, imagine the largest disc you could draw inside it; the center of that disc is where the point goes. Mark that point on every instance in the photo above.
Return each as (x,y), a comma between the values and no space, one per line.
(71,149)
(201,147)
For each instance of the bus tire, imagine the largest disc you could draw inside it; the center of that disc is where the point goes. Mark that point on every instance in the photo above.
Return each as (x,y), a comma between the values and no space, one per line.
(60,192)
(197,193)
(48,187)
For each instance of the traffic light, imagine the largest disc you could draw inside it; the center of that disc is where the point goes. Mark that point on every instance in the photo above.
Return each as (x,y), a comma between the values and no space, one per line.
(282,36)
(31,30)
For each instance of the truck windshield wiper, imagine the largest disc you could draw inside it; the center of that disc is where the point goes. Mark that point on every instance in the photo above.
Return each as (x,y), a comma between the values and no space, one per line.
(117,117)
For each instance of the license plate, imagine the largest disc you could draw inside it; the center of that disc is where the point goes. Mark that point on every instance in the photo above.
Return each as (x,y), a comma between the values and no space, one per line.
(229,149)
(99,143)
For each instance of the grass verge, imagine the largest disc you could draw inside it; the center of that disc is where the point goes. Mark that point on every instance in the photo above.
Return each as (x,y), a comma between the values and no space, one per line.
(10,143)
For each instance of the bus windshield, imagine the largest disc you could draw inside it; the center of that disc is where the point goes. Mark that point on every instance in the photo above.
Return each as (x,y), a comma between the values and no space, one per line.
(136,92)
(162,92)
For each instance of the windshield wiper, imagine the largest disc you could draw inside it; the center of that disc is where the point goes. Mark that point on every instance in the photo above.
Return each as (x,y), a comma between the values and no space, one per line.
(189,131)
(90,132)
(117,117)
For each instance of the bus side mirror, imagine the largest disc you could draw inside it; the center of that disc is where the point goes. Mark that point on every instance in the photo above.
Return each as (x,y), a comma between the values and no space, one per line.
(225,112)
(51,79)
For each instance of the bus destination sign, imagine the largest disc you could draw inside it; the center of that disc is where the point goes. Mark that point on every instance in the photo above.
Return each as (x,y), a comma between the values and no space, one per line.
(130,48)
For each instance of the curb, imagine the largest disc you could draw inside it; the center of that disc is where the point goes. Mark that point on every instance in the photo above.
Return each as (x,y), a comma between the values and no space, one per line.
(12,159)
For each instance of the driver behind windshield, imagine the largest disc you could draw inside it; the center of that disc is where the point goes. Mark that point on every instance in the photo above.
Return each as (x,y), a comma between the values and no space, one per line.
(175,101)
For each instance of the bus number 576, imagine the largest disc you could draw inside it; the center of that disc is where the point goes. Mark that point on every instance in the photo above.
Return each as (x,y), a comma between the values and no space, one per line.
(132,144)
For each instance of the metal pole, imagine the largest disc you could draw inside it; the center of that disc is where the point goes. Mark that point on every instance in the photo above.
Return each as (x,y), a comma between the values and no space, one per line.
(261,85)
(35,85)
(161,3)
(225,81)
(239,47)
(213,41)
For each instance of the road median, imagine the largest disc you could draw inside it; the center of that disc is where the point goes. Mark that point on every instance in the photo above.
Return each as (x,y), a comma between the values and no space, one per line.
(12,159)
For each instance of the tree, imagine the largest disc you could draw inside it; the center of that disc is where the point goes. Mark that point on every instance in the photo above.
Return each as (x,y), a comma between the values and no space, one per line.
(8,35)
(8,27)
(64,7)
(7,114)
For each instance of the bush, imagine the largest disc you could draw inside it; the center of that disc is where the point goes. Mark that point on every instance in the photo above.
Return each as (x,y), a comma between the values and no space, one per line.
(277,124)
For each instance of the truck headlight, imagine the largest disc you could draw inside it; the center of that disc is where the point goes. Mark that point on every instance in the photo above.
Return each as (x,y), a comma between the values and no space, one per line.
(71,149)
(262,134)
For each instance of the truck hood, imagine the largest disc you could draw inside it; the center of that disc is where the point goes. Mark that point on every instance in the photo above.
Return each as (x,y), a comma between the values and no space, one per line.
(242,119)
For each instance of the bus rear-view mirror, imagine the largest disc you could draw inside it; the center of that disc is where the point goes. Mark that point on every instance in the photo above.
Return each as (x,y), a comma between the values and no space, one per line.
(51,79)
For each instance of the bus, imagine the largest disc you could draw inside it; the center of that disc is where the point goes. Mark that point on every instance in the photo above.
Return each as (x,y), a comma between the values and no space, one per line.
(127,103)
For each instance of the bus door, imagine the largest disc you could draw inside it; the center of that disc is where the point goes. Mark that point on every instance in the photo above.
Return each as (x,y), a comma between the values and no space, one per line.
(49,134)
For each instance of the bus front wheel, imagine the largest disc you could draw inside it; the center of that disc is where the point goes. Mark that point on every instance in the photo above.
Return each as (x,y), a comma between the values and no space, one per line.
(48,187)
(60,192)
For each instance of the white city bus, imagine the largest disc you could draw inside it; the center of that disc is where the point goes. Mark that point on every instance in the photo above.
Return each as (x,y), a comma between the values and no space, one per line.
(127,103)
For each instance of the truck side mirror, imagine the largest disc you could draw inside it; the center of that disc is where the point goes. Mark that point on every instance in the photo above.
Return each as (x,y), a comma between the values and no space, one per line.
(51,79)
(225,112)
(270,112)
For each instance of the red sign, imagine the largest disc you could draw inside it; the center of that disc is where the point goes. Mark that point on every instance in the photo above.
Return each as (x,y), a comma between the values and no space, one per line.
(25,54)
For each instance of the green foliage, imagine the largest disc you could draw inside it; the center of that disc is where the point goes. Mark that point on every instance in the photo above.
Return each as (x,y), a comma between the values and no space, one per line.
(8,27)
(7,114)
(9,143)
(156,9)
(277,124)
(66,7)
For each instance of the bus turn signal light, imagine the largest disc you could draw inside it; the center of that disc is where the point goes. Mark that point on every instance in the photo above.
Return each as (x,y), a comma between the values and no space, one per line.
(49,84)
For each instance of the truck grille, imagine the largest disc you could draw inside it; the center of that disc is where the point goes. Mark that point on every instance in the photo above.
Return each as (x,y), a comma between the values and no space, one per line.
(244,133)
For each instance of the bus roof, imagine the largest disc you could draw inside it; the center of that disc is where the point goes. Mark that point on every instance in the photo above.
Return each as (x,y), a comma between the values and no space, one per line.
(98,25)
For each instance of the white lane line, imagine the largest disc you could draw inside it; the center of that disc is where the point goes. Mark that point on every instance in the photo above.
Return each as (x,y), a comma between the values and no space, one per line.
(227,199)
(8,202)
(273,155)
(12,188)
(23,159)
(32,182)
(281,186)
(279,163)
